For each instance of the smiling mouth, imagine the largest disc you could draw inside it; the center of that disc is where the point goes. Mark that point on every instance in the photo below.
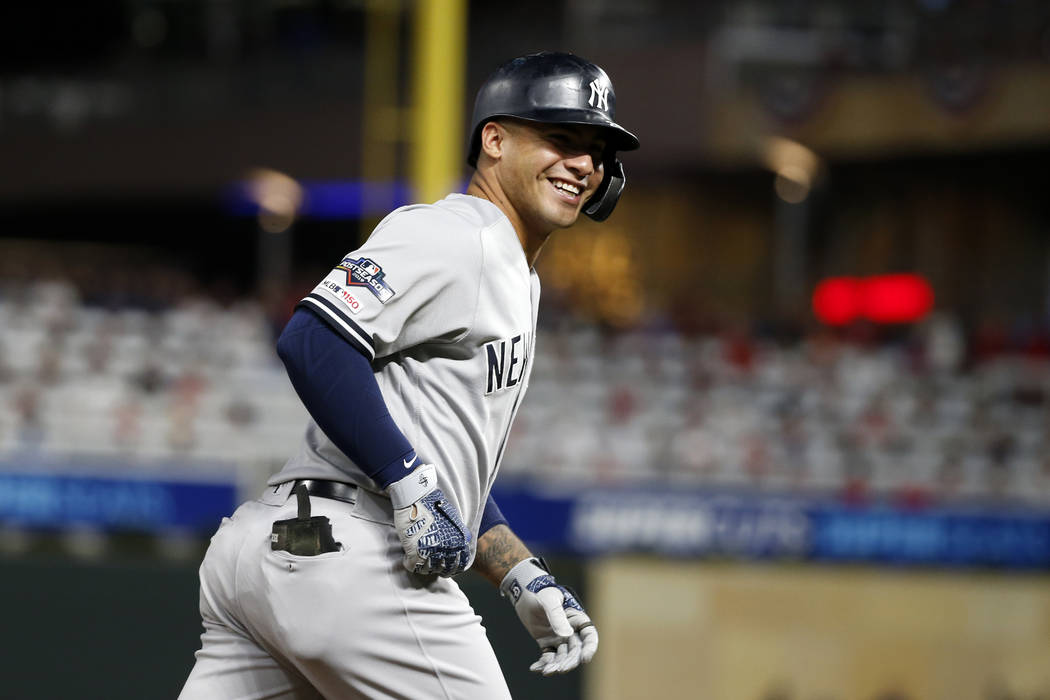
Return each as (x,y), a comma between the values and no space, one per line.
(568,191)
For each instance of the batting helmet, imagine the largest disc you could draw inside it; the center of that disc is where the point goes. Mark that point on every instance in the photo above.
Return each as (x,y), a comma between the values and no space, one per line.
(558,88)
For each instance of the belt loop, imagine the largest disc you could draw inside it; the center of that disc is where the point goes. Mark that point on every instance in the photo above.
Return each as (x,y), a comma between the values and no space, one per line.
(276,495)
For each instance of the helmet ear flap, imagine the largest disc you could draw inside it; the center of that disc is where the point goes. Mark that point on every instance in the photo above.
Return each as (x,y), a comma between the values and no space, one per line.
(603,201)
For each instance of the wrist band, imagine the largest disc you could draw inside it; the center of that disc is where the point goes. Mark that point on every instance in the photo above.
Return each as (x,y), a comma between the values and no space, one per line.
(413,487)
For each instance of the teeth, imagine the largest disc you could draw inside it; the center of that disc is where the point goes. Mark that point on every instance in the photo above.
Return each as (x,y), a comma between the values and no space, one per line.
(566,186)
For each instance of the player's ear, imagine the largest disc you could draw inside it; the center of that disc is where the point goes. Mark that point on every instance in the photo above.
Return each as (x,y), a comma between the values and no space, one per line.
(492,136)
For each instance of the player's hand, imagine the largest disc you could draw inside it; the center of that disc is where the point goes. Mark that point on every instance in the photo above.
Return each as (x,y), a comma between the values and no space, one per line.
(432,533)
(553,617)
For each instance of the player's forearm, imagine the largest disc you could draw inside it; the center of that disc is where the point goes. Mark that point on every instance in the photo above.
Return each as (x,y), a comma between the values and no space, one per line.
(498,551)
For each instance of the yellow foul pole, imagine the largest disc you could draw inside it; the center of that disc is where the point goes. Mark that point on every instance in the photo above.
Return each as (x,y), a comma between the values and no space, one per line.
(383,119)
(439,71)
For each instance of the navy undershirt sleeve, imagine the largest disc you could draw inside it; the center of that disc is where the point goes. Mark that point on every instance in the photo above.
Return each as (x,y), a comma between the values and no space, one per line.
(338,387)
(491,517)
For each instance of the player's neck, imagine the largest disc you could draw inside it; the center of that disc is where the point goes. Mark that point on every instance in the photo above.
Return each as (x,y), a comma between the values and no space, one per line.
(531,241)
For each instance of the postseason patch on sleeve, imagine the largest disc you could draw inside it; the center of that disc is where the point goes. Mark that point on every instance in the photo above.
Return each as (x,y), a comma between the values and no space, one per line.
(364,272)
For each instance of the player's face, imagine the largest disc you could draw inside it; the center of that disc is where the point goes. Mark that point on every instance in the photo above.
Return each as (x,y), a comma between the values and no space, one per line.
(551,171)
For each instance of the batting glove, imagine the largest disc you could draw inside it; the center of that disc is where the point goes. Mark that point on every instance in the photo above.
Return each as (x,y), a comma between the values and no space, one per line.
(432,533)
(553,617)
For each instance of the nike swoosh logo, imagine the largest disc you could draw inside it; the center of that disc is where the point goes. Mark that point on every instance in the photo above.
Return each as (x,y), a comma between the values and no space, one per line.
(409,462)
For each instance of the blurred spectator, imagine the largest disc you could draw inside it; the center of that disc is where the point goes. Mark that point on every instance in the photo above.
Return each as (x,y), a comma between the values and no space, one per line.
(29,414)
(622,453)
(49,371)
(942,340)
(693,452)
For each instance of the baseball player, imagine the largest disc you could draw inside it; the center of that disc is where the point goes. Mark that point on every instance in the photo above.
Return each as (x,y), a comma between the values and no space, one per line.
(412,356)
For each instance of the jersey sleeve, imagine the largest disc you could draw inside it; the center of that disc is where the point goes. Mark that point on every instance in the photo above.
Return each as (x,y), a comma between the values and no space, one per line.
(415,280)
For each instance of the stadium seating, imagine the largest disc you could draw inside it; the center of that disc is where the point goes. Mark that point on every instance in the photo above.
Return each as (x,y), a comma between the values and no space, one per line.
(199,382)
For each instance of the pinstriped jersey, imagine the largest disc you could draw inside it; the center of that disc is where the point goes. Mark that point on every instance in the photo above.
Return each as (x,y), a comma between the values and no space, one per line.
(442,300)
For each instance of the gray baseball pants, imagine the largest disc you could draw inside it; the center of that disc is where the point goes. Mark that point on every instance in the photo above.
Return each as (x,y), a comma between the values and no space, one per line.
(346,624)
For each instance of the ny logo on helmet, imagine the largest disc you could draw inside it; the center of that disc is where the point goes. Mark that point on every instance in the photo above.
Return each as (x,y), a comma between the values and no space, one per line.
(601,92)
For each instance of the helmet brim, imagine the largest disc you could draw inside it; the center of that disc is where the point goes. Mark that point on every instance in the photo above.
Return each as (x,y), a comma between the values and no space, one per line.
(617,137)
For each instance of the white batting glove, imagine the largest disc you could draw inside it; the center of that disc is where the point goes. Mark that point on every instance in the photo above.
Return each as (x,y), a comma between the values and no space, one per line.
(552,615)
(432,533)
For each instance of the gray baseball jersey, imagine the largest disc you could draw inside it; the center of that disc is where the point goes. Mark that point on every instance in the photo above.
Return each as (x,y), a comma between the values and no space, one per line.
(443,301)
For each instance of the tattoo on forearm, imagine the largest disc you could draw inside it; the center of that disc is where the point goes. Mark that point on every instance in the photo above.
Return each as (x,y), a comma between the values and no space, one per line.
(499,550)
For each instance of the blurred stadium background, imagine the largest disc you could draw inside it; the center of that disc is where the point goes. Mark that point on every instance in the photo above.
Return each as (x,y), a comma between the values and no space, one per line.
(777,469)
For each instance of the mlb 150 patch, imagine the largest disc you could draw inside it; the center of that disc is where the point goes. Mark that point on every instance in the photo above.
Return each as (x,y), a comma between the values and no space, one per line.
(364,272)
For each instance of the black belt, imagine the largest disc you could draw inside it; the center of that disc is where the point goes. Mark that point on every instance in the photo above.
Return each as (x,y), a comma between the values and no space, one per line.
(336,490)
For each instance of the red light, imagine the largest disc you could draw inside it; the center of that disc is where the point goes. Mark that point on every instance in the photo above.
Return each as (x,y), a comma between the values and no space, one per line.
(836,300)
(898,298)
